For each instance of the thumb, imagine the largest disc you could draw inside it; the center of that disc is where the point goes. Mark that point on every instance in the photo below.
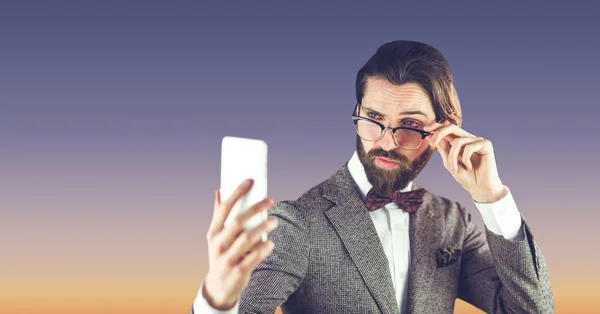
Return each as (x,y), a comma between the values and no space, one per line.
(443,147)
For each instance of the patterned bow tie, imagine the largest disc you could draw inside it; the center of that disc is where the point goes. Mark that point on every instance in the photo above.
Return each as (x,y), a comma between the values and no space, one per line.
(409,201)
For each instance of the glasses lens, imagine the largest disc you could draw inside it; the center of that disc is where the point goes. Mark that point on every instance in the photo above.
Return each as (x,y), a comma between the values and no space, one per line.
(368,130)
(408,139)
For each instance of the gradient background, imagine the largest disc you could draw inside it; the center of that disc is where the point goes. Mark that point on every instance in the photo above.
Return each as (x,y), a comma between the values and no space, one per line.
(111,116)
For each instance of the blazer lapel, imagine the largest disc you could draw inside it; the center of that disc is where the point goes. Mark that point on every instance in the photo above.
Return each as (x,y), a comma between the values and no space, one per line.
(351,220)
(426,227)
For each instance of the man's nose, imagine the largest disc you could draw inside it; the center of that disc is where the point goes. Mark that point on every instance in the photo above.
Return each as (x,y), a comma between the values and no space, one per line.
(387,140)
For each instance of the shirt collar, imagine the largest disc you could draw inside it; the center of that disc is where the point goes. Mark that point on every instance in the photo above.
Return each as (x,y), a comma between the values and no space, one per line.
(357,171)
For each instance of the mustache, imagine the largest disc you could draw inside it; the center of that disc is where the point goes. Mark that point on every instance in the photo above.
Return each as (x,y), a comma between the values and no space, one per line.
(378,152)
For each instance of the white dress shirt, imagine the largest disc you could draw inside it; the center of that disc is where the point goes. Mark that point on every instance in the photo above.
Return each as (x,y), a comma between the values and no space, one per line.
(392,225)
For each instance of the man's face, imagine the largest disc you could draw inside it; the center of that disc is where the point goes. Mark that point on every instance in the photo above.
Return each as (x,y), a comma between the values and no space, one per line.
(389,167)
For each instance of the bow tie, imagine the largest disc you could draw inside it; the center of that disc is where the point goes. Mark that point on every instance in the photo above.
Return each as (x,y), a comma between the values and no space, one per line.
(409,201)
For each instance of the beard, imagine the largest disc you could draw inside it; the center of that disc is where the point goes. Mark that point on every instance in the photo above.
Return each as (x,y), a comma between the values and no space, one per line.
(386,181)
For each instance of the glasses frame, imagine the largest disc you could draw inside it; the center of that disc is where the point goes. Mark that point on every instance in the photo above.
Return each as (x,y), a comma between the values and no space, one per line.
(356,118)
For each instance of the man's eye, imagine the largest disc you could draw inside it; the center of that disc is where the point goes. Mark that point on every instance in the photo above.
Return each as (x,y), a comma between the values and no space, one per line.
(373,115)
(410,123)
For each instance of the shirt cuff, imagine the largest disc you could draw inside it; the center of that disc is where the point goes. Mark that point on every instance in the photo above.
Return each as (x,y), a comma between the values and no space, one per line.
(201,306)
(503,218)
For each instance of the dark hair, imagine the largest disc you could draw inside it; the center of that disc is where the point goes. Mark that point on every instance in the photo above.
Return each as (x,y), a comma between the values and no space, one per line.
(404,61)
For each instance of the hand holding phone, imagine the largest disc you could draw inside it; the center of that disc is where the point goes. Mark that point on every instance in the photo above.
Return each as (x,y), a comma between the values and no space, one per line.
(235,249)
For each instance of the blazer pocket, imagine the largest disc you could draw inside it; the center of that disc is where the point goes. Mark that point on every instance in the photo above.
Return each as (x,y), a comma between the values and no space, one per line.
(446,279)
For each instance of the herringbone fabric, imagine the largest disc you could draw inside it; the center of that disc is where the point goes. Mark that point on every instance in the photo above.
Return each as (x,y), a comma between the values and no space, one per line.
(328,259)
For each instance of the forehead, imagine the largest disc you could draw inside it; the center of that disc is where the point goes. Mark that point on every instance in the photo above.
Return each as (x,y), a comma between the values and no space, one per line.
(382,95)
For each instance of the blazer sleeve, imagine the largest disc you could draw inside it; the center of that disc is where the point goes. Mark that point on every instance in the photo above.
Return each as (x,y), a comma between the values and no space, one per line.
(281,273)
(503,276)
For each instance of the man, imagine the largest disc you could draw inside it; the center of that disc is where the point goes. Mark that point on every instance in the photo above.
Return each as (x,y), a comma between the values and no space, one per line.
(369,239)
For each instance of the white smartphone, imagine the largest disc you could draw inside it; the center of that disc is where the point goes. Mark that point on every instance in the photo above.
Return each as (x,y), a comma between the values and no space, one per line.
(241,159)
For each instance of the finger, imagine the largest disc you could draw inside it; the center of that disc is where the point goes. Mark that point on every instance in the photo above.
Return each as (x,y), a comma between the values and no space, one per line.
(450,132)
(265,204)
(223,209)
(471,149)
(247,240)
(443,147)
(457,144)
(432,129)
(257,255)
(216,212)
(435,126)
(239,192)
(225,238)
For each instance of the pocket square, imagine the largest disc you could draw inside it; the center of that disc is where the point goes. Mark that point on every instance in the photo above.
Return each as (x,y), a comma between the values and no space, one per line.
(447,256)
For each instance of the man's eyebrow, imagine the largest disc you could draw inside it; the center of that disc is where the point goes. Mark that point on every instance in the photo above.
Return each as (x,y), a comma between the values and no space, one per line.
(413,112)
(367,108)
(404,113)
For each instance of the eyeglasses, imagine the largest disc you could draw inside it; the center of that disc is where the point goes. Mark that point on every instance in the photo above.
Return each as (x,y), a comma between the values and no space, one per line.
(404,137)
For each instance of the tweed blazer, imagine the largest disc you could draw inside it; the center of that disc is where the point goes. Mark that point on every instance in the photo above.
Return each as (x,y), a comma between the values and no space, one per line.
(328,259)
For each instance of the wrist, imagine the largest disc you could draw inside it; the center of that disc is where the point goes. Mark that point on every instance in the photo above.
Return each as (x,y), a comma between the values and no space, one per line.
(491,196)
(215,302)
